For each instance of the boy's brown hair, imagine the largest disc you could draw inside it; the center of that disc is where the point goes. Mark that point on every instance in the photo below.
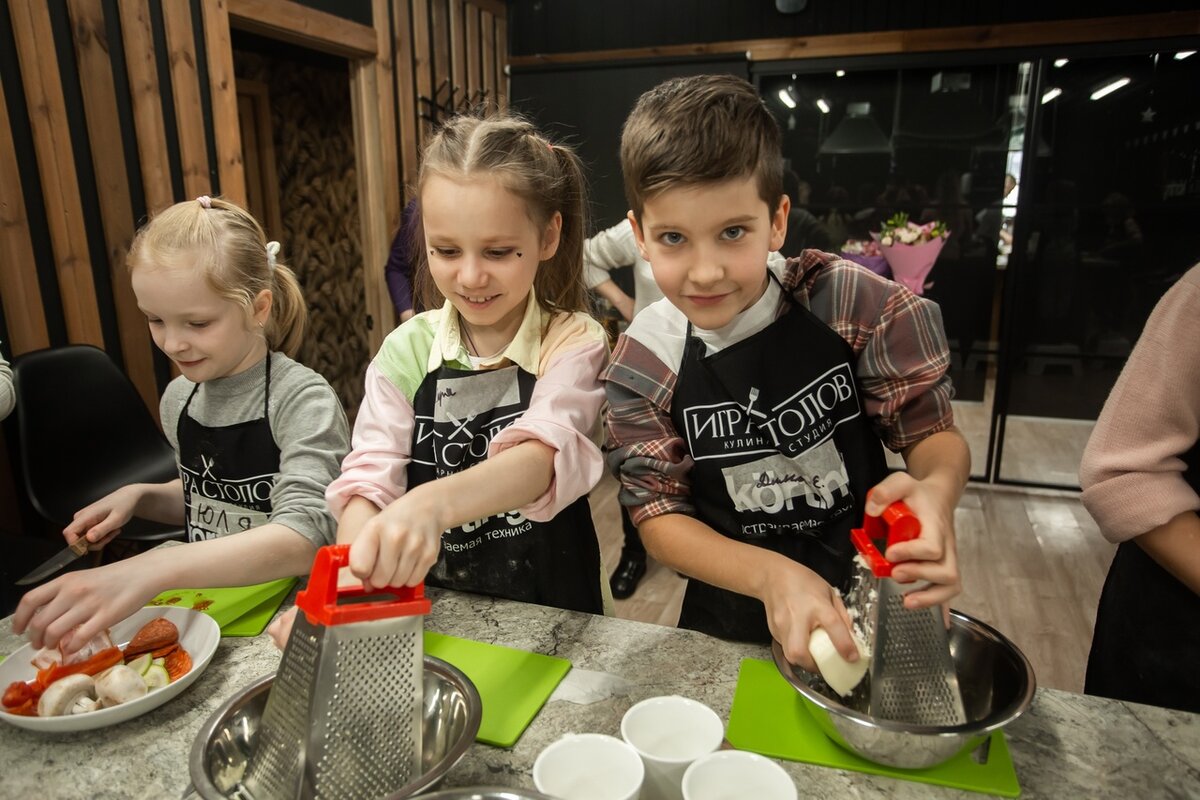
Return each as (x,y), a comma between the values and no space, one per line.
(696,130)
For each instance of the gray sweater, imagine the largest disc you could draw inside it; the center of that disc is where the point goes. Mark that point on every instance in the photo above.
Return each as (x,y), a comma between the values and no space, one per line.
(307,423)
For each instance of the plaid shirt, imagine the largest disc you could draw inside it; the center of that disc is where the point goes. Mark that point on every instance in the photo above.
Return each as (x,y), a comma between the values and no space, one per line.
(900,355)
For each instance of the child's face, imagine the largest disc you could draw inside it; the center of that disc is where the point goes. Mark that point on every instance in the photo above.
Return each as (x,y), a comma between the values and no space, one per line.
(707,246)
(206,335)
(484,251)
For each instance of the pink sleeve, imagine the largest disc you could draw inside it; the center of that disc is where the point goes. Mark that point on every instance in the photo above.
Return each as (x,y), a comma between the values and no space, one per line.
(377,465)
(1132,471)
(563,413)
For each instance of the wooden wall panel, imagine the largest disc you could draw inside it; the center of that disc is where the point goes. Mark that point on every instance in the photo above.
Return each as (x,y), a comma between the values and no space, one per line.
(502,63)
(458,55)
(474,81)
(56,168)
(364,96)
(443,81)
(19,289)
(223,91)
(406,101)
(298,24)
(421,69)
(487,55)
(185,84)
(141,64)
(389,144)
(112,186)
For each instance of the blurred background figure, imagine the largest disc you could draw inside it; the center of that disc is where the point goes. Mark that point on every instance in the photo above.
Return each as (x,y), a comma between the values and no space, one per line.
(803,229)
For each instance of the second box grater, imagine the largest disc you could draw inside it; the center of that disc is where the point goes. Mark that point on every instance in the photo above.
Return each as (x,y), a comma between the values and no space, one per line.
(343,719)
(912,675)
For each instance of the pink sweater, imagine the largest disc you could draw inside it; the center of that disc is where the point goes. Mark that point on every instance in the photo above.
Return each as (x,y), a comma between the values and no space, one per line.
(1132,471)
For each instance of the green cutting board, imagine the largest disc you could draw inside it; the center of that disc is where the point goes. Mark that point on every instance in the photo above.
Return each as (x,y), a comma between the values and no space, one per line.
(228,605)
(513,684)
(255,621)
(770,717)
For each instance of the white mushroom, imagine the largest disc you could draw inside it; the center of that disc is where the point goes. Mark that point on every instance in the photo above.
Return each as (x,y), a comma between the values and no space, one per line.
(119,685)
(60,697)
(85,704)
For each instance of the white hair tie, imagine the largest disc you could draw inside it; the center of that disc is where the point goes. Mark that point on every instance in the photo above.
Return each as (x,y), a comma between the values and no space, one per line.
(272,251)
(204,200)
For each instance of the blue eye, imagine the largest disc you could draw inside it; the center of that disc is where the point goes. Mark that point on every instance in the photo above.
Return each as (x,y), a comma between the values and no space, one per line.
(671,238)
(733,233)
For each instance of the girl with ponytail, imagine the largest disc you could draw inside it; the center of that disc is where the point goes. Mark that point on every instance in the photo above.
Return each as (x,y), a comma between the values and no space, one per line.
(477,441)
(258,436)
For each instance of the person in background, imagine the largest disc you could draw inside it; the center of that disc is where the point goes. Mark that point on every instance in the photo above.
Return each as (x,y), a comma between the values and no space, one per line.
(477,441)
(611,249)
(399,268)
(8,398)
(837,221)
(706,388)
(989,223)
(258,436)
(1140,476)
(803,229)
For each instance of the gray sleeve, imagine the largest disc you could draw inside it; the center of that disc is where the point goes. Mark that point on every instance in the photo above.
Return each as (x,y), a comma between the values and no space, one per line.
(310,429)
(8,397)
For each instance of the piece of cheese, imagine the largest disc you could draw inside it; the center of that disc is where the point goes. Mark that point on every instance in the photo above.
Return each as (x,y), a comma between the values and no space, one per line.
(841,675)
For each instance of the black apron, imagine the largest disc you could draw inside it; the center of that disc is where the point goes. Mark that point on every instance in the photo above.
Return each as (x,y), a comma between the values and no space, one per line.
(1146,646)
(555,563)
(784,456)
(228,471)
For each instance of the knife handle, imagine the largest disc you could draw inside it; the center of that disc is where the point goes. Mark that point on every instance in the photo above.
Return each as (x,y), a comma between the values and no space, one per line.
(80,545)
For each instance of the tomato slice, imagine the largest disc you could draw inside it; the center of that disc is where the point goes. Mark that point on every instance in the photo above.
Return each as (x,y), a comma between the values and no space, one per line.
(96,664)
(178,664)
(17,693)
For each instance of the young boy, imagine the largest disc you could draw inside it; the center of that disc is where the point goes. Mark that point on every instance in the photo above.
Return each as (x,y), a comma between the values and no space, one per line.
(748,406)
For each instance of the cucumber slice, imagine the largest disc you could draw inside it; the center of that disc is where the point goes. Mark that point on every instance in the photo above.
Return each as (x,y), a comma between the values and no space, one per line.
(159,662)
(141,663)
(156,677)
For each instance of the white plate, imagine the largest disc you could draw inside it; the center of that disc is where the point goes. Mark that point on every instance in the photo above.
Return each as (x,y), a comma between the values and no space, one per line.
(198,634)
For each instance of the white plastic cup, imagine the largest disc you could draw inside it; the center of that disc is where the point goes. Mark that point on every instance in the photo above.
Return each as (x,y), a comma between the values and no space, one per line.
(589,766)
(669,733)
(736,775)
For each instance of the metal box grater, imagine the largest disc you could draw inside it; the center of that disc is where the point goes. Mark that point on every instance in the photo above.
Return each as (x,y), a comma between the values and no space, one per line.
(912,674)
(343,719)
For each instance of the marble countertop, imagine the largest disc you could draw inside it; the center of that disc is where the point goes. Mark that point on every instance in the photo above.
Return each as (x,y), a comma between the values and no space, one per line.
(1066,746)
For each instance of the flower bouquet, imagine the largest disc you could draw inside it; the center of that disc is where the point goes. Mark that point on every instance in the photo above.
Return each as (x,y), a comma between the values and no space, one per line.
(868,254)
(911,249)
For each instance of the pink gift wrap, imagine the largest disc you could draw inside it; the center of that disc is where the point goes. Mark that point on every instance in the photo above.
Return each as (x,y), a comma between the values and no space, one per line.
(911,263)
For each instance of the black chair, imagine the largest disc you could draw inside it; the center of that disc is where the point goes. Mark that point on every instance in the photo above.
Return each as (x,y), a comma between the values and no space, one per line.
(83,432)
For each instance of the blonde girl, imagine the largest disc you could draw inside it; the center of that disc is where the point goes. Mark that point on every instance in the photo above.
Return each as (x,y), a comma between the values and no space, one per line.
(476,444)
(258,436)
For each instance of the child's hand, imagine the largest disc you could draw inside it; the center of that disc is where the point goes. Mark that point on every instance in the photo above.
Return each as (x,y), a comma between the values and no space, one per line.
(281,627)
(399,545)
(71,609)
(799,600)
(102,521)
(931,557)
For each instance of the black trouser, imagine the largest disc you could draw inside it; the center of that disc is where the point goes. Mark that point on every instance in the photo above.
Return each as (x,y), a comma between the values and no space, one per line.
(633,547)
(1146,647)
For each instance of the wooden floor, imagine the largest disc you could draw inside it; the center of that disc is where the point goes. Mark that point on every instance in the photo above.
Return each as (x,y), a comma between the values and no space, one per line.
(1033,563)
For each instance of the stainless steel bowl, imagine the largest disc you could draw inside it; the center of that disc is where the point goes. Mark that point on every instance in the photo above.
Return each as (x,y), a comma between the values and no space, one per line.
(451,713)
(486,793)
(997,686)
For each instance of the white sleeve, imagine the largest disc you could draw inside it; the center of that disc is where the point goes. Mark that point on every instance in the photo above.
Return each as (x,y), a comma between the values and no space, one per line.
(610,248)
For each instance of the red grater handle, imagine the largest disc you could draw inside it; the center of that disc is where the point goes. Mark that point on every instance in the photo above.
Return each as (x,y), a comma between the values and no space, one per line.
(897,524)
(319,601)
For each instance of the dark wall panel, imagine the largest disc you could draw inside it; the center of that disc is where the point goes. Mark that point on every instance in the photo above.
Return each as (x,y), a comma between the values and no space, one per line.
(560,26)
(586,107)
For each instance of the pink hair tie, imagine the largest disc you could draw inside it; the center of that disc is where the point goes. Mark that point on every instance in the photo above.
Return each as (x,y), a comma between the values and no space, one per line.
(204,200)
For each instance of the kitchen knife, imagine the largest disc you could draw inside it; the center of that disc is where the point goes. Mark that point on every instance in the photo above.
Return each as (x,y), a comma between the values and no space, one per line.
(57,562)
